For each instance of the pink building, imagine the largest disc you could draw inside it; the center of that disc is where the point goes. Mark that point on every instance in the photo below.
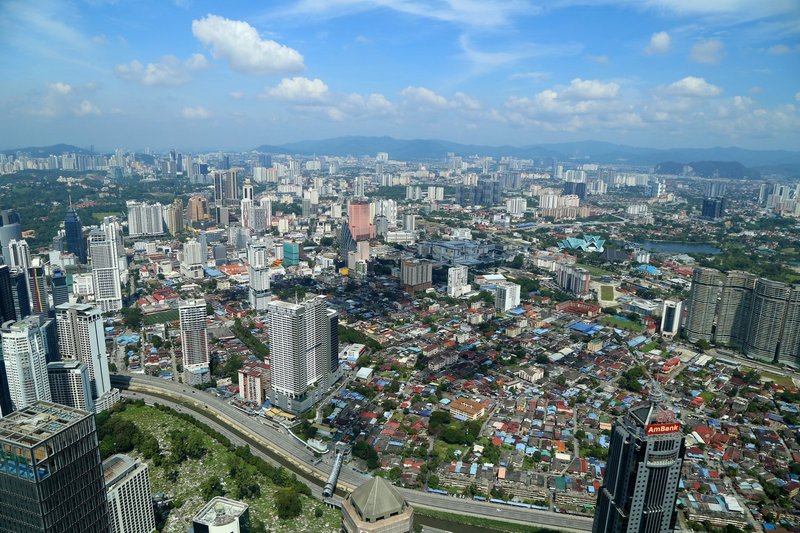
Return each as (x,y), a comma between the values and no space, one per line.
(254,382)
(360,221)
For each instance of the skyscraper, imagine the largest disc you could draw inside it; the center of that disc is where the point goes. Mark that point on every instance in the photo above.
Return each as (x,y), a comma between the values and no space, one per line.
(70,384)
(713,208)
(81,337)
(360,220)
(7,311)
(59,288)
(105,271)
(506,296)
(640,484)
(144,219)
(194,332)
(706,287)
(19,254)
(37,289)
(19,294)
(735,307)
(24,354)
(73,230)
(51,477)
(302,346)
(772,334)
(130,503)
(173,217)
(457,281)
(671,315)
(246,205)
(9,231)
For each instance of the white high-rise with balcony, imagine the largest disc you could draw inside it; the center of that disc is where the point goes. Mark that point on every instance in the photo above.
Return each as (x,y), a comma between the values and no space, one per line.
(105,270)
(23,348)
(81,337)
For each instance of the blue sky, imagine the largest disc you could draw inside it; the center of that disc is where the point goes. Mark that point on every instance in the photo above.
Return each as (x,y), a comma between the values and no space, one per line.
(198,75)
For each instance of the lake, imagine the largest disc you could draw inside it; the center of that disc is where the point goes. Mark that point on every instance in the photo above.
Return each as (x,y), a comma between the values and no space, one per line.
(669,247)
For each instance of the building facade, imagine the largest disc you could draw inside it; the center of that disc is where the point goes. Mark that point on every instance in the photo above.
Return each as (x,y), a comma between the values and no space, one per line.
(81,337)
(130,502)
(25,358)
(70,384)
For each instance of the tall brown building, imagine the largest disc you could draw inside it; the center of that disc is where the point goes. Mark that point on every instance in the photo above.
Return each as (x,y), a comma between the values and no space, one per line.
(197,209)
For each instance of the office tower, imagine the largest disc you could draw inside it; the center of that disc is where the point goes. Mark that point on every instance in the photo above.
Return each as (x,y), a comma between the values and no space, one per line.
(416,275)
(671,314)
(640,484)
(37,290)
(457,281)
(226,187)
(222,514)
(360,220)
(194,332)
(734,310)
(291,253)
(58,288)
(144,219)
(52,477)
(19,255)
(70,384)
(73,230)
(246,205)
(409,222)
(706,287)
(24,354)
(576,188)
(173,217)
(266,203)
(105,271)
(10,230)
(130,502)
(333,340)
(81,337)
(197,209)
(301,352)
(19,294)
(713,208)
(506,296)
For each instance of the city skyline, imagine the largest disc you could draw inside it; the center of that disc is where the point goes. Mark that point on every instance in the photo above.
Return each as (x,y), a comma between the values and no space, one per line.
(663,73)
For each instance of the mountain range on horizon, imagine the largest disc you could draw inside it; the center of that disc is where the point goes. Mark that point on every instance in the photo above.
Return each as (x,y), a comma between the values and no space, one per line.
(766,161)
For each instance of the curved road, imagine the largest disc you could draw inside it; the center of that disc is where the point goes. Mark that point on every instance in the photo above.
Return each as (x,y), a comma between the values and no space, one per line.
(302,460)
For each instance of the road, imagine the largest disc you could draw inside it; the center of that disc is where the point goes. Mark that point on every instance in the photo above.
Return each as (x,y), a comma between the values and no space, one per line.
(302,461)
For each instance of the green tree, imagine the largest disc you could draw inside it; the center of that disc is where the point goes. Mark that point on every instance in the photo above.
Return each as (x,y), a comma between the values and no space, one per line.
(211,487)
(288,504)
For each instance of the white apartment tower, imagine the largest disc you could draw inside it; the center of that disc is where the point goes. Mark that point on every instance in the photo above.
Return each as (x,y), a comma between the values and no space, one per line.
(194,332)
(246,204)
(145,220)
(105,271)
(81,337)
(506,296)
(303,346)
(70,384)
(23,349)
(130,503)
(457,281)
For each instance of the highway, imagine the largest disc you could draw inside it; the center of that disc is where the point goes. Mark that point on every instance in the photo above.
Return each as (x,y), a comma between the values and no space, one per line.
(230,421)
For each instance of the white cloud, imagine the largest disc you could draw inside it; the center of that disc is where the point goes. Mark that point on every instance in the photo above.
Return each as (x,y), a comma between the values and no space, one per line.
(660,43)
(534,76)
(707,51)
(87,108)
(590,90)
(299,89)
(693,86)
(424,96)
(240,44)
(778,49)
(236,95)
(192,113)
(99,40)
(797,96)
(61,88)
(602,59)
(168,71)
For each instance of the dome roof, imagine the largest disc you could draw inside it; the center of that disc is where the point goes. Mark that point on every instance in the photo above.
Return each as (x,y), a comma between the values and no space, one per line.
(377,499)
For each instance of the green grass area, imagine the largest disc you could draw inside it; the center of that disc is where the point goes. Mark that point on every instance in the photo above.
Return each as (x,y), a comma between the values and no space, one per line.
(488,523)
(786,381)
(186,492)
(649,347)
(98,217)
(621,324)
(606,293)
(160,318)
(595,271)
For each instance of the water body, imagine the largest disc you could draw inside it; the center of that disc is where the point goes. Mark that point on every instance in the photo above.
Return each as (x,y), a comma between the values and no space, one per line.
(669,247)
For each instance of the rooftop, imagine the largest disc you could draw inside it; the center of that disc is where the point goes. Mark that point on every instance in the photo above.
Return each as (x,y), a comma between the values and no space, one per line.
(377,499)
(116,466)
(220,511)
(36,423)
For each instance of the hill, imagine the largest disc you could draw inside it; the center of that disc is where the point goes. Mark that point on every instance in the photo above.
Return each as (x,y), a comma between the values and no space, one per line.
(44,151)
(709,169)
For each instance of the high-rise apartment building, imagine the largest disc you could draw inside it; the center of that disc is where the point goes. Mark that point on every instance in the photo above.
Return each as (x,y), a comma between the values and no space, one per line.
(19,255)
(734,308)
(24,352)
(226,188)
(51,480)
(457,281)
(303,350)
(144,219)
(197,209)
(642,474)
(416,274)
(194,332)
(360,220)
(105,271)
(81,337)
(516,206)
(774,327)
(73,230)
(573,279)
(192,259)
(506,296)
(713,208)
(173,217)
(130,502)
(706,288)
(70,384)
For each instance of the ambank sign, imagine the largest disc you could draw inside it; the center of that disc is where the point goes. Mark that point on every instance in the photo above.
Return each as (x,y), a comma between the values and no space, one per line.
(661,429)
